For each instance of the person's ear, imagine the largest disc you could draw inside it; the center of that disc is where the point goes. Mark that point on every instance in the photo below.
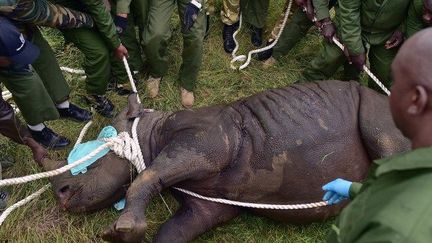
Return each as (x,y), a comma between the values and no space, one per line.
(419,101)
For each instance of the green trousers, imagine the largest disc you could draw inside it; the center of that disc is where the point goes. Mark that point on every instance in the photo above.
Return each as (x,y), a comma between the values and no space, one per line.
(230,11)
(99,62)
(331,58)
(293,32)
(36,92)
(254,12)
(158,33)
(328,61)
(136,18)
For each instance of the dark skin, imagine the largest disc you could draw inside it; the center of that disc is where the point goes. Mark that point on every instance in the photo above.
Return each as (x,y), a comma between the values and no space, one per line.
(427,12)
(411,93)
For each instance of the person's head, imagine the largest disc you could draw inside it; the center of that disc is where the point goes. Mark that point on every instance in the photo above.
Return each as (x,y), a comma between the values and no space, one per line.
(427,11)
(14,48)
(411,93)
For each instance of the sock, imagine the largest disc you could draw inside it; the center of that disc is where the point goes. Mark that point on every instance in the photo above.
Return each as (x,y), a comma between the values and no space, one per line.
(63,105)
(38,127)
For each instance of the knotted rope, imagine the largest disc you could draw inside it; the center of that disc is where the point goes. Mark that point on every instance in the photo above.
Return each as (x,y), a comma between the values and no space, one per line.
(242,58)
(126,147)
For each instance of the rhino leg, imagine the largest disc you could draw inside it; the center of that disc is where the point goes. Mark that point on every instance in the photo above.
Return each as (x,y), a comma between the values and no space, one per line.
(379,133)
(174,164)
(193,219)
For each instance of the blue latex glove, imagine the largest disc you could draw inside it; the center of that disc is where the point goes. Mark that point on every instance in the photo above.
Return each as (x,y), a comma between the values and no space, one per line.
(191,14)
(84,149)
(336,191)
(120,205)
(121,24)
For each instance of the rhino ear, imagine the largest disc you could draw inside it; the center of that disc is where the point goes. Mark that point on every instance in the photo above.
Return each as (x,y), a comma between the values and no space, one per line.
(134,108)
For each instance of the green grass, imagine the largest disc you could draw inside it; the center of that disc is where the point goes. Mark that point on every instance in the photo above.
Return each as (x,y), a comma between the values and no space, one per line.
(43,221)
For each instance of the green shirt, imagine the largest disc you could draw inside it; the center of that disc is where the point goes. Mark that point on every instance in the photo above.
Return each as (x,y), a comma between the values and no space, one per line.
(373,21)
(394,205)
(321,9)
(101,16)
(414,22)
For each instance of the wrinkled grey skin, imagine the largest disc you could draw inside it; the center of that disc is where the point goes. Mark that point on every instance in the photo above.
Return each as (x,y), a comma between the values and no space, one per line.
(278,147)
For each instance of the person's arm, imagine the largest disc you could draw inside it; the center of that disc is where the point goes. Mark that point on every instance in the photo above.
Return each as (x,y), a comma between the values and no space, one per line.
(44,13)
(414,22)
(354,189)
(350,26)
(103,22)
(123,7)
(321,9)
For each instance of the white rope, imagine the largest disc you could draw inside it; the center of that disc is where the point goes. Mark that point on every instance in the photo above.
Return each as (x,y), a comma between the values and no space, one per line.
(255,205)
(82,133)
(22,202)
(242,58)
(365,68)
(72,71)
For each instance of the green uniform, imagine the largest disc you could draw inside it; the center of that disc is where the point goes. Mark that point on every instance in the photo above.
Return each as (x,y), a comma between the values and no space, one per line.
(297,28)
(136,18)
(230,11)
(37,90)
(254,12)
(414,22)
(96,44)
(362,23)
(394,205)
(43,13)
(158,33)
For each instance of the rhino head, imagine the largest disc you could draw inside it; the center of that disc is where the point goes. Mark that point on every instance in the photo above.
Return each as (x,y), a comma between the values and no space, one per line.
(106,180)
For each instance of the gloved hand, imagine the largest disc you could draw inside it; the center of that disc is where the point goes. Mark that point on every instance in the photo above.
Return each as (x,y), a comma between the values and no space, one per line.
(357,60)
(395,40)
(121,52)
(191,14)
(121,24)
(336,191)
(328,29)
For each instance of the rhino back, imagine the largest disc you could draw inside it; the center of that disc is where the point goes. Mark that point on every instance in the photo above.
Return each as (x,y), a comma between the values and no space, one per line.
(293,140)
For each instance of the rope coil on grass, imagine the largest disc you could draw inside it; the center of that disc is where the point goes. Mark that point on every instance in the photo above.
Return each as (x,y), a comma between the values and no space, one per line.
(248,59)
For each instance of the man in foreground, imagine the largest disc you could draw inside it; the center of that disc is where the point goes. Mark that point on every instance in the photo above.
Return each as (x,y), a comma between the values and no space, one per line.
(395,204)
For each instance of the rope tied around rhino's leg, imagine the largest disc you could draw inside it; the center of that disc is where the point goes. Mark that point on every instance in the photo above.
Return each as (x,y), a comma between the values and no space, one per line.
(248,59)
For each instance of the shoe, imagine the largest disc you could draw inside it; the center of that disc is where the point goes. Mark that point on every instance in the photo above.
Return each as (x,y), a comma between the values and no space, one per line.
(102,105)
(187,98)
(3,200)
(75,113)
(256,36)
(227,34)
(153,86)
(264,55)
(120,89)
(49,139)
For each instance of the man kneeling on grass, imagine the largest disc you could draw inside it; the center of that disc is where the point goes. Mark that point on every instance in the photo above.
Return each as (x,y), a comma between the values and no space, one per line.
(395,203)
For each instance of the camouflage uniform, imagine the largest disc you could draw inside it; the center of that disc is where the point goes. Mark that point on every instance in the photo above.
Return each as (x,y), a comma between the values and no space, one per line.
(230,11)
(41,12)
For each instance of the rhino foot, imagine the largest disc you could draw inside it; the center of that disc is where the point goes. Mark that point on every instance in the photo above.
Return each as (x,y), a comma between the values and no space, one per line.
(128,228)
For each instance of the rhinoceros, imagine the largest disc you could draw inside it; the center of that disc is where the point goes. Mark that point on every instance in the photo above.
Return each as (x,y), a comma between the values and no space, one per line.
(276,147)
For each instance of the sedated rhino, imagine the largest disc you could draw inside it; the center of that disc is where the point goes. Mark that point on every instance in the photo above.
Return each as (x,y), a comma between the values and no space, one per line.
(279,146)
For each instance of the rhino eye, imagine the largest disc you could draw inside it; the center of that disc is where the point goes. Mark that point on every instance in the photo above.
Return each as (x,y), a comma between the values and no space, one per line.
(64,189)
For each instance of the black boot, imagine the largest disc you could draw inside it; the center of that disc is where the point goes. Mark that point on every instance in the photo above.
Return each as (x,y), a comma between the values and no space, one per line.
(227,34)
(101,104)
(49,139)
(75,113)
(264,55)
(256,36)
